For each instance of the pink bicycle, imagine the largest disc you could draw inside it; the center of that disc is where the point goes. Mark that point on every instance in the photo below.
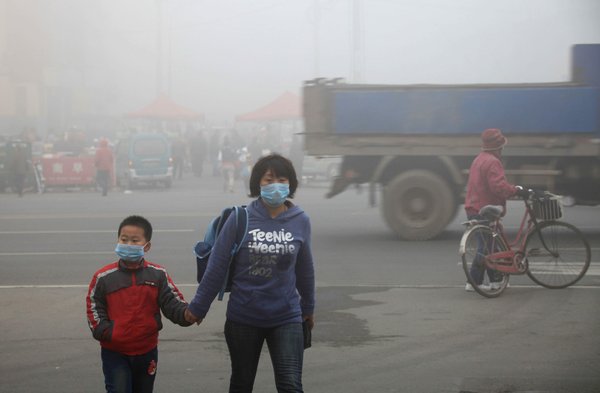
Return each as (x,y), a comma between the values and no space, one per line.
(554,254)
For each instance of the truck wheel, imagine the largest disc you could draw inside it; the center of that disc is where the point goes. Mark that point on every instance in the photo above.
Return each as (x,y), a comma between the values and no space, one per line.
(418,204)
(332,171)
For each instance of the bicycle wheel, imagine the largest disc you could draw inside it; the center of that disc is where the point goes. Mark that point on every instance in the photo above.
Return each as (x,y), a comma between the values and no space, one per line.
(476,243)
(564,261)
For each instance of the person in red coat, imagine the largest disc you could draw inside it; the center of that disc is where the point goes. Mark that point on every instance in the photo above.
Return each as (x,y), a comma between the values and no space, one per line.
(104,164)
(487,185)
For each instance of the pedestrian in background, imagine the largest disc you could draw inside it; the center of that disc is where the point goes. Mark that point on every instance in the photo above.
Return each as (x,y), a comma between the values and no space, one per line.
(18,167)
(198,153)
(228,159)
(178,154)
(245,168)
(104,161)
(213,152)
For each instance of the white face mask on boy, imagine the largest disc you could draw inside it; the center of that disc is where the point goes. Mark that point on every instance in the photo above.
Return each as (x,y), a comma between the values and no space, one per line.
(130,252)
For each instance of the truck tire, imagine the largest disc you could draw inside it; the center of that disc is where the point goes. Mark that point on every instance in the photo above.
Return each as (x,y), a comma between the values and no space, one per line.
(332,171)
(418,204)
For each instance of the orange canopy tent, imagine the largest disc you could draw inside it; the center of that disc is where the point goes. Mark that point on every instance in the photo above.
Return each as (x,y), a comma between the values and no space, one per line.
(285,107)
(163,108)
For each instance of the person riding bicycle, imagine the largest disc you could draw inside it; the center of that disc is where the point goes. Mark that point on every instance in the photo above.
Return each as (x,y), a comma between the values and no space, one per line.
(487,185)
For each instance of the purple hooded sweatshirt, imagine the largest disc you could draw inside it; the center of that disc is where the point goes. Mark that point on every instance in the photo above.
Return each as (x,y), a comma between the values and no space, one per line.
(273,276)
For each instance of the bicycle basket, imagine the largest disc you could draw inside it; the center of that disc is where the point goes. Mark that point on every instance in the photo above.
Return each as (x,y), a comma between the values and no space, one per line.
(547,208)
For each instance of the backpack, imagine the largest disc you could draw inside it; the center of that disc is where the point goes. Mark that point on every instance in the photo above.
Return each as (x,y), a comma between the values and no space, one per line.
(203,249)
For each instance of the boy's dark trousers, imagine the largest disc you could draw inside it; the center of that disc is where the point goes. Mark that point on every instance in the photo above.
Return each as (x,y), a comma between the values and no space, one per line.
(129,374)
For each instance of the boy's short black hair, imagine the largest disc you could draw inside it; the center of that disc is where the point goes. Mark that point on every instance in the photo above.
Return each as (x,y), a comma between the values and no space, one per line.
(279,166)
(140,222)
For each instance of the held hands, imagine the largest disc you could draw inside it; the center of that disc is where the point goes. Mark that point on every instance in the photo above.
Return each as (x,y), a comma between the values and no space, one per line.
(191,318)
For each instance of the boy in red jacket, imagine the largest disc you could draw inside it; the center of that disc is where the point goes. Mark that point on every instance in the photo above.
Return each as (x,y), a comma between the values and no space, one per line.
(124,302)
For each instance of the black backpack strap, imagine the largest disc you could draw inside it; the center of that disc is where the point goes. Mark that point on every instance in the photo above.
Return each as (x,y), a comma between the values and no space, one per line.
(241,224)
(223,218)
(241,228)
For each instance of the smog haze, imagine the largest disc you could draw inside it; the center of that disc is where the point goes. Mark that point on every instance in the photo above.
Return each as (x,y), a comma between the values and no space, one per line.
(225,58)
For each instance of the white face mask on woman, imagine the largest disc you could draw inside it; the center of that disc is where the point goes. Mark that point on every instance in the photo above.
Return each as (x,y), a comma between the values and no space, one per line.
(275,194)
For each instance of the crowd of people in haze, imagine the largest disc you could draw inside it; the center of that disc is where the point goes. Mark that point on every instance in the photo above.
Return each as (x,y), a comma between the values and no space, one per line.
(227,153)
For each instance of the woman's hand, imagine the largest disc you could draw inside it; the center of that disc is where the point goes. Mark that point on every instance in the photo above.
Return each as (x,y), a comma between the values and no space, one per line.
(310,320)
(191,318)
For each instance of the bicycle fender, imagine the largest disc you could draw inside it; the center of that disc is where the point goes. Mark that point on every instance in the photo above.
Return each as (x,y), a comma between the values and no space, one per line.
(463,240)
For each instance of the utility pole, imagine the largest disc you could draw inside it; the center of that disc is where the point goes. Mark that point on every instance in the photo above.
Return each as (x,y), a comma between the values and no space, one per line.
(357,43)
(170,57)
(317,16)
(159,54)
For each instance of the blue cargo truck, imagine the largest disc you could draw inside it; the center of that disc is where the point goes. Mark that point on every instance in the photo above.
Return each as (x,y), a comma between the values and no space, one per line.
(415,143)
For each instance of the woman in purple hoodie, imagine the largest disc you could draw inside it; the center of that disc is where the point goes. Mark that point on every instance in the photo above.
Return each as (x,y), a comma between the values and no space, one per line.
(273,280)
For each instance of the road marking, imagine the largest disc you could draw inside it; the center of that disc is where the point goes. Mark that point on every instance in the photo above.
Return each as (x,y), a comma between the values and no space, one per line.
(593,270)
(430,286)
(320,285)
(43,286)
(580,227)
(33,254)
(67,216)
(86,231)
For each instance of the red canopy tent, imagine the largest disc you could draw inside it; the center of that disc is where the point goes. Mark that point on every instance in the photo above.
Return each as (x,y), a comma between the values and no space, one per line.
(163,108)
(285,107)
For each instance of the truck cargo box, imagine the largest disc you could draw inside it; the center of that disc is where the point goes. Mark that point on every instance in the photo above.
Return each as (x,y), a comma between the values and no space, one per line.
(447,110)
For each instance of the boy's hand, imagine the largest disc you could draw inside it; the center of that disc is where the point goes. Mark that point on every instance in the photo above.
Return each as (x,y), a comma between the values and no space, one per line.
(105,335)
(191,318)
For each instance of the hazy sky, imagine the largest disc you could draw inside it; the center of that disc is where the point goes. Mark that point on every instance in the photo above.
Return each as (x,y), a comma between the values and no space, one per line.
(227,57)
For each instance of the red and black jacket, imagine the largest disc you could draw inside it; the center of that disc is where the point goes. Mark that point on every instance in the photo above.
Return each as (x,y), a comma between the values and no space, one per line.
(124,305)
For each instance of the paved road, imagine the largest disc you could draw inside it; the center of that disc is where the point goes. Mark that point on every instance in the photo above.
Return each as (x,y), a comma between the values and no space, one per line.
(391,316)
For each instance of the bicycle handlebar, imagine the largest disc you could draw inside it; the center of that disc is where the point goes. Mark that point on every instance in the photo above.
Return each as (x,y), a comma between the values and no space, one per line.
(523,193)
(528,193)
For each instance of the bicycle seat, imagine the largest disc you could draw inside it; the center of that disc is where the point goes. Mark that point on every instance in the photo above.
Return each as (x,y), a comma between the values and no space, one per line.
(491,212)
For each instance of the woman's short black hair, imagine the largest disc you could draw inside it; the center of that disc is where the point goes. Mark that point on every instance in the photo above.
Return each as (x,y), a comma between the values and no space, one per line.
(140,222)
(279,166)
